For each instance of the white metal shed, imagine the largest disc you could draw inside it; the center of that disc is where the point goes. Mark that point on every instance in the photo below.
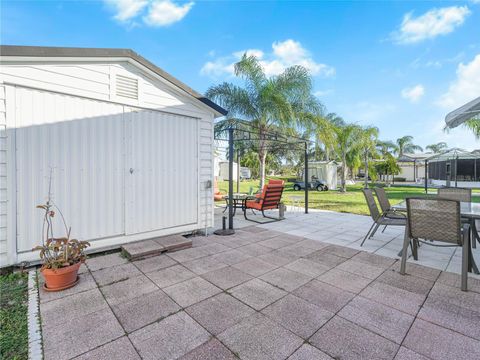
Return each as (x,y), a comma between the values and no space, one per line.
(130,147)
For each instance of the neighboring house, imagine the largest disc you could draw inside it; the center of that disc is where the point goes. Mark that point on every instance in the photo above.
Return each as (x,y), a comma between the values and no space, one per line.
(412,166)
(129,146)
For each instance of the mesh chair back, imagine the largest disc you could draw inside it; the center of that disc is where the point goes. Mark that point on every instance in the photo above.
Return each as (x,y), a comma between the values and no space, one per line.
(383,199)
(459,194)
(372,205)
(434,219)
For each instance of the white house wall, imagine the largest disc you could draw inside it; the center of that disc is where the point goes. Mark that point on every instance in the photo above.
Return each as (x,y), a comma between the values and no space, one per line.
(92,81)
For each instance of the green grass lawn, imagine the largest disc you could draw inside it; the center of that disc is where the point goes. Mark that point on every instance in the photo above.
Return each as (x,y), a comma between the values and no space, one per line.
(352,201)
(13,316)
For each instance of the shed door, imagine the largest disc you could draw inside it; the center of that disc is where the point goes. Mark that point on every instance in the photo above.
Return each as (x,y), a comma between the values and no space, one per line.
(161,171)
(80,142)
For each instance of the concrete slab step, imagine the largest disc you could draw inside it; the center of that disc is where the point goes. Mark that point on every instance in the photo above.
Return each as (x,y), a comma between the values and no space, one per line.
(156,246)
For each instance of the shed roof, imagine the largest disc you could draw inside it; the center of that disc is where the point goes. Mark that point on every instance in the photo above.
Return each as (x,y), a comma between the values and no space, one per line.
(454,153)
(71,52)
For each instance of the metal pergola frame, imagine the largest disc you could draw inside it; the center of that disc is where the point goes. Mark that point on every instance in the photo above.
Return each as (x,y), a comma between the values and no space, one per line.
(245,130)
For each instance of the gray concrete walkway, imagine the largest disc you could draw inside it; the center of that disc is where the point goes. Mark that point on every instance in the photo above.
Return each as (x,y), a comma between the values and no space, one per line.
(266,294)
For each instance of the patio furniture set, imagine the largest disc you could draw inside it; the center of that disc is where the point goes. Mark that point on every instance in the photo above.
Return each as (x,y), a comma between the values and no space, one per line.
(268,199)
(447,218)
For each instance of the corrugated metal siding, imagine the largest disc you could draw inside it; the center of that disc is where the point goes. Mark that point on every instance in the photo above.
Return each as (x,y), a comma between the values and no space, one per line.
(82,141)
(162,190)
(3,178)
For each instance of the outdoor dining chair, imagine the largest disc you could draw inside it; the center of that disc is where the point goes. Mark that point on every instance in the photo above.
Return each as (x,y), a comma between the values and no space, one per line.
(437,220)
(386,206)
(378,218)
(459,194)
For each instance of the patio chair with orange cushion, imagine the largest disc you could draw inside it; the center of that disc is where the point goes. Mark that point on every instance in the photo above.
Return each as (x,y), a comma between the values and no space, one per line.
(217,194)
(268,200)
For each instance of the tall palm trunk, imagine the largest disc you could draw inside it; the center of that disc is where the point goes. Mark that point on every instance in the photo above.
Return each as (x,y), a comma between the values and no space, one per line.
(366,170)
(344,173)
(262,156)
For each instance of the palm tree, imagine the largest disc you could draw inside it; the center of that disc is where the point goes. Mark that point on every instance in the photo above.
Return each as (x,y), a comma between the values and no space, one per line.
(367,143)
(405,145)
(474,126)
(386,147)
(325,133)
(280,100)
(436,148)
(347,144)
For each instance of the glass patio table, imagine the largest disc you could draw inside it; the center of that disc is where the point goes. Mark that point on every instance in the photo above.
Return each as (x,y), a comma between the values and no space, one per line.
(469,211)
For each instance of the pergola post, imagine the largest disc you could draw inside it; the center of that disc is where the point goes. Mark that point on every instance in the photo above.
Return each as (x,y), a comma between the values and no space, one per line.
(426,176)
(456,170)
(230,177)
(306,178)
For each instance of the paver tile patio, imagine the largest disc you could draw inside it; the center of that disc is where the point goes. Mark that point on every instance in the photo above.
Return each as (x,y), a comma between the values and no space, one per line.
(121,348)
(84,333)
(394,297)
(285,279)
(226,278)
(255,266)
(325,296)
(297,315)
(115,273)
(257,293)
(169,338)
(345,280)
(211,350)
(343,339)
(308,352)
(307,267)
(101,262)
(128,289)
(436,342)
(380,319)
(170,276)
(217,301)
(220,312)
(191,291)
(257,337)
(142,310)
(154,263)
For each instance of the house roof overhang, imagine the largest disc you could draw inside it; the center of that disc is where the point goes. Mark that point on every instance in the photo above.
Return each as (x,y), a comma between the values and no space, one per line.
(464,113)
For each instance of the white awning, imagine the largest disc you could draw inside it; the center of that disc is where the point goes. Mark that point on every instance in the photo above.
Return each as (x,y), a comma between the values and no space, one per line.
(463,113)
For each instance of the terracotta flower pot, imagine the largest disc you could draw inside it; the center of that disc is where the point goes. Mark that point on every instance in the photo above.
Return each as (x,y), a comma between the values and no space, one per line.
(60,279)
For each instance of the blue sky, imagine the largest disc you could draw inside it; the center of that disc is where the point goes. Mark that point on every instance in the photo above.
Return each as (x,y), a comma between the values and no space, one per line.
(397,65)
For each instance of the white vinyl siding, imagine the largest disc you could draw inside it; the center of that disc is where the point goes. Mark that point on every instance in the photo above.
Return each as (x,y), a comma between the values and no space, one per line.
(3,179)
(82,88)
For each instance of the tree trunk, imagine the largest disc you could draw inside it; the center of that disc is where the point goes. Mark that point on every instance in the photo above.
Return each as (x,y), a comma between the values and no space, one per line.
(366,171)
(344,174)
(262,156)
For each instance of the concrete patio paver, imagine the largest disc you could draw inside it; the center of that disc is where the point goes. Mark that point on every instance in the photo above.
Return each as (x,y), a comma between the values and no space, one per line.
(220,312)
(345,280)
(298,315)
(380,319)
(143,310)
(191,291)
(343,339)
(257,337)
(407,354)
(169,338)
(170,276)
(325,296)
(226,278)
(257,293)
(307,267)
(308,352)
(285,279)
(154,263)
(114,274)
(255,266)
(128,289)
(121,348)
(211,350)
(436,342)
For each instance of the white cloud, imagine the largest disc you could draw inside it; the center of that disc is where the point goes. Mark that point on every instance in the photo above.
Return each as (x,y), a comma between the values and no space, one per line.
(126,9)
(155,12)
(284,54)
(413,94)
(433,23)
(321,93)
(166,12)
(466,86)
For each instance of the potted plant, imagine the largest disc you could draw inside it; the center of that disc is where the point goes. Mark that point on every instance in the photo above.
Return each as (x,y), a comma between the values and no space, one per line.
(61,257)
